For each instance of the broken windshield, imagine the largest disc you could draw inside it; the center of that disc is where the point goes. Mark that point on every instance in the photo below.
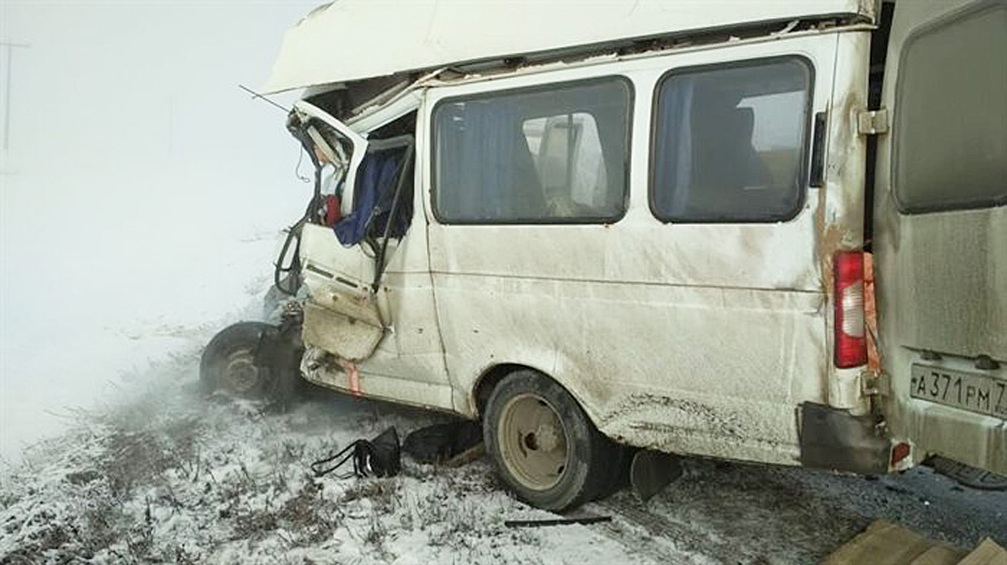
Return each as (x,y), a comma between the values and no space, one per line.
(326,143)
(335,151)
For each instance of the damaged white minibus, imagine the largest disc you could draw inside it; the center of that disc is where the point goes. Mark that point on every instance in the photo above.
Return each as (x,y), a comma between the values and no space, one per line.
(595,225)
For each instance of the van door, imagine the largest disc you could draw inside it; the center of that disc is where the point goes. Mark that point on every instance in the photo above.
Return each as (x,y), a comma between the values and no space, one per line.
(371,306)
(345,264)
(940,239)
(342,315)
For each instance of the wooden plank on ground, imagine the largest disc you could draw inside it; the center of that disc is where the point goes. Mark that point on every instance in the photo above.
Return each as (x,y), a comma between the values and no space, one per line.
(988,553)
(887,544)
(938,555)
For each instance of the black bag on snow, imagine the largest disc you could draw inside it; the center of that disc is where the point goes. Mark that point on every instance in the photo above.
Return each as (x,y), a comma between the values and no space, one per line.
(440,442)
(379,457)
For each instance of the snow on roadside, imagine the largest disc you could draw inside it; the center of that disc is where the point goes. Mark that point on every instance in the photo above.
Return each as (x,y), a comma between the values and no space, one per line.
(163,474)
(166,475)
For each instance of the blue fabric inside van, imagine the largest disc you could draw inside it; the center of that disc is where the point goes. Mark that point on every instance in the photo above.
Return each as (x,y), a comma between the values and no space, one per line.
(377,179)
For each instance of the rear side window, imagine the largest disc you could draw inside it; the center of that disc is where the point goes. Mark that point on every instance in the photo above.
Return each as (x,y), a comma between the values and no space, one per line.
(951,114)
(533,156)
(730,142)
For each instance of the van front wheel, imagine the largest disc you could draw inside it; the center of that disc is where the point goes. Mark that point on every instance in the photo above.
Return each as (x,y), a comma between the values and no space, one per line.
(228,362)
(543,445)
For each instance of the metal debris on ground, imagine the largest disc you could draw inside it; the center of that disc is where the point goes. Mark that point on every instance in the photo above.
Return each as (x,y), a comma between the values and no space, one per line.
(968,476)
(556,521)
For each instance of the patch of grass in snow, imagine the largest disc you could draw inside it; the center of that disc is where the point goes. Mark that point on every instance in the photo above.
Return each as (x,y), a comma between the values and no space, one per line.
(383,494)
(68,514)
(306,519)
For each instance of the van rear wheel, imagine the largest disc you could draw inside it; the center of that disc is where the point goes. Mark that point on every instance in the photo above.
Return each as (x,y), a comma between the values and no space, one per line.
(543,445)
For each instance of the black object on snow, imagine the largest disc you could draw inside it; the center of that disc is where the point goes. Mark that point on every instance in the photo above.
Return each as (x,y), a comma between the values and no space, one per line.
(556,521)
(440,442)
(379,457)
(968,476)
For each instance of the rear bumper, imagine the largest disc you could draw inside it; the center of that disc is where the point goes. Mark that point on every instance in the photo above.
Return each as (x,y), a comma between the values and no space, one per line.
(834,439)
(974,438)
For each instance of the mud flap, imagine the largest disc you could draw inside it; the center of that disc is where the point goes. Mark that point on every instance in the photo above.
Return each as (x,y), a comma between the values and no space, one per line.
(651,471)
(838,441)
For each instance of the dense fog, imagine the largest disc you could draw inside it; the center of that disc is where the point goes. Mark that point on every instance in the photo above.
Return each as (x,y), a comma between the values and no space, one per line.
(142,190)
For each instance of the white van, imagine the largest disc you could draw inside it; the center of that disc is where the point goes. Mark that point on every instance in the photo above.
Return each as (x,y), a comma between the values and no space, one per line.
(646,224)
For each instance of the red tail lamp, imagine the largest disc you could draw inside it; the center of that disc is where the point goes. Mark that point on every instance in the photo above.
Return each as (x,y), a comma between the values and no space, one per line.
(851,345)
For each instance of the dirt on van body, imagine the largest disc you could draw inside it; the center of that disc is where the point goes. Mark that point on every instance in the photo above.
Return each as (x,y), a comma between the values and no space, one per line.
(167,475)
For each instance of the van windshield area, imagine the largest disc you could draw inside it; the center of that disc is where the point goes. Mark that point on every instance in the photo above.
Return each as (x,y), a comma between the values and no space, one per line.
(539,155)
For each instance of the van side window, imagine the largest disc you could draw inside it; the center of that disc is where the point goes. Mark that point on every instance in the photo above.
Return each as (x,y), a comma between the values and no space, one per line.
(533,156)
(730,142)
(950,144)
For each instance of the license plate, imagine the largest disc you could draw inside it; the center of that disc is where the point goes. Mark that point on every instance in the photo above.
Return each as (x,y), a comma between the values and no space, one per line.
(967,391)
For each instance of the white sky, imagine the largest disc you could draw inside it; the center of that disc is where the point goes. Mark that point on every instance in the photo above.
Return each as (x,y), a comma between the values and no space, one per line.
(141,190)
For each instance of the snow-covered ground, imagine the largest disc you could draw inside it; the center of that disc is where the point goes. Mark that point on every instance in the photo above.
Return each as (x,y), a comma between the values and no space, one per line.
(164,474)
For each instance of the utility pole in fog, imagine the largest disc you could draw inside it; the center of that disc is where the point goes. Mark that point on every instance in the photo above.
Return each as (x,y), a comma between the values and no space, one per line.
(5,151)
(6,112)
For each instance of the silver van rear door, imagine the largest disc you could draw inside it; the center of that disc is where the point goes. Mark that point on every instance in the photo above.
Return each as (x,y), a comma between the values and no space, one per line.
(940,233)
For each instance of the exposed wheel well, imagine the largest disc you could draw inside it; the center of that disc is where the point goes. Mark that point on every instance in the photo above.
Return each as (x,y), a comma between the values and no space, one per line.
(491,377)
(489,380)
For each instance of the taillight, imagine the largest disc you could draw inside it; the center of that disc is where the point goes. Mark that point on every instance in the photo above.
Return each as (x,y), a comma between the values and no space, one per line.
(851,347)
(899,452)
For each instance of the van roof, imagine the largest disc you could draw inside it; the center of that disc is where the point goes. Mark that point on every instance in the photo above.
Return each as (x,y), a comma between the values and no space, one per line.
(348,40)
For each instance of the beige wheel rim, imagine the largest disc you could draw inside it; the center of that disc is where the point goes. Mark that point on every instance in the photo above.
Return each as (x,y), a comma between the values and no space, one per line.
(240,373)
(533,442)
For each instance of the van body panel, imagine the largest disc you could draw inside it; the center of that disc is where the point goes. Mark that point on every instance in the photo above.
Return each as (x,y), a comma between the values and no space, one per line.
(679,368)
(323,369)
(841,219)
(941,272)
(954,266)
(428,34)
(407,362)
(685,337)
(341,315)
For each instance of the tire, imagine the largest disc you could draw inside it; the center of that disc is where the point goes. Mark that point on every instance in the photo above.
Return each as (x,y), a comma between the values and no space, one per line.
(228,363)
(543,445)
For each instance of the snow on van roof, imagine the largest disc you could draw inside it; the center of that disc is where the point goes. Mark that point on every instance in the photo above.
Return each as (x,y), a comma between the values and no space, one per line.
(348,40)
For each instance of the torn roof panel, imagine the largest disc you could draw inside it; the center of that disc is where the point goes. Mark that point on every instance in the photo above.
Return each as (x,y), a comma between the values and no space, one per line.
(350,40)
